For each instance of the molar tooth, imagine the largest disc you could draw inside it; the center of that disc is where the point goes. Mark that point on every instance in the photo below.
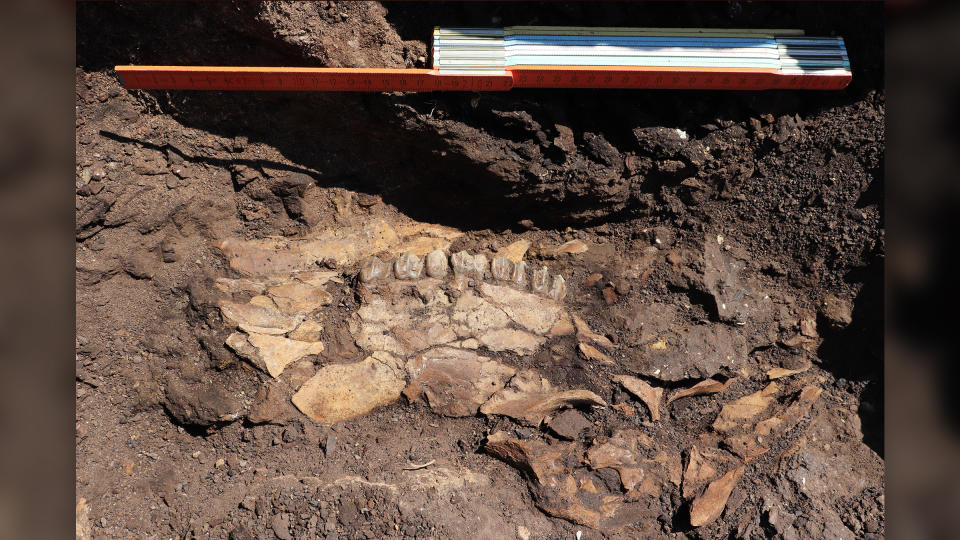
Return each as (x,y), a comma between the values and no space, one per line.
(436,264)
(540,280)
(558,288)
(481,266)
(501,268)
(519,274)
(374,269)
(408,266)
(462,263)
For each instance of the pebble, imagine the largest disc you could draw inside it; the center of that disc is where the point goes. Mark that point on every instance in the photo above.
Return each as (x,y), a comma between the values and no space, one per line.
(609,295)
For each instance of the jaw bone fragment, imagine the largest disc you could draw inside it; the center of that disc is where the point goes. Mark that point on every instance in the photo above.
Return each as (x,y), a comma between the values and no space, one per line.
(455,381)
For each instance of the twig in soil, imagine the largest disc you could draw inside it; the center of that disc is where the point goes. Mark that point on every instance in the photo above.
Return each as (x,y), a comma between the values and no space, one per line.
(414,466)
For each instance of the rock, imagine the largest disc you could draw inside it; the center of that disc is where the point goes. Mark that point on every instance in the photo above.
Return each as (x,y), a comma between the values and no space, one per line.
(838,311)
(610,295)
(201,404)
(752,444)
(661,237)
(708,386)
(592,279)
(700,470)
(84,529)
(779,372)
(650,396)
(307,331)
(706,508)
(591,353)
(692,352)
(341,391)
(260,315)
(569,424)
(571,247)
(508,339)
(585,333)
(271,405)
(455,382)
(281,526)
(738,412)
(736,300)
(271,353)
(297,297)
(529,398)
(515,251)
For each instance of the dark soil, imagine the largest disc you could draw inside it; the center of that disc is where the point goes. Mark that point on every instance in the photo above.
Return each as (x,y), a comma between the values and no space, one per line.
(791,181)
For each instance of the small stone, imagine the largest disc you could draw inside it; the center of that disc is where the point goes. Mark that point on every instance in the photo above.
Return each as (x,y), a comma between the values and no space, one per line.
(195,455)
(249,503)
(593,279)
(569,424)
(220,463)
(330,446)
(609,295)
(839,311)
(674,258)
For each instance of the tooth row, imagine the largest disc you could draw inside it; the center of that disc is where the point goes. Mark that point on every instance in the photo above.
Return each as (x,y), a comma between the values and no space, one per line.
(540,281)
(410,266)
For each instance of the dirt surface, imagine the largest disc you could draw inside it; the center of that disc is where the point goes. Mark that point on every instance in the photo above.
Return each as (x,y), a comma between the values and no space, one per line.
(708,365)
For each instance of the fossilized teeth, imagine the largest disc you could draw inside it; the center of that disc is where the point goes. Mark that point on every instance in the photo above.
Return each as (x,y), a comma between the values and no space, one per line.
(540,280)
(558,288)
(481,265)
(436,264)
(462,263)
(465,264)
(519,274)
(374,269)
(408,266)
(501,268)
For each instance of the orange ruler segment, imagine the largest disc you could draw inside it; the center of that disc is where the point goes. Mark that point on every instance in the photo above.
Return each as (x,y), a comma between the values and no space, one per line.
(428,80)
(305,79)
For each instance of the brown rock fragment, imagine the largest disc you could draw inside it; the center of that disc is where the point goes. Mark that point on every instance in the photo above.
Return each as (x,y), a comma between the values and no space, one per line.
(592,280)
(758,441)
(708,506)
(707,386)
(569,424)
(271,406)
(610,295)
(585,333)
(591,353)
(515,251)
(740,411)
(837,310)
(650,396)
